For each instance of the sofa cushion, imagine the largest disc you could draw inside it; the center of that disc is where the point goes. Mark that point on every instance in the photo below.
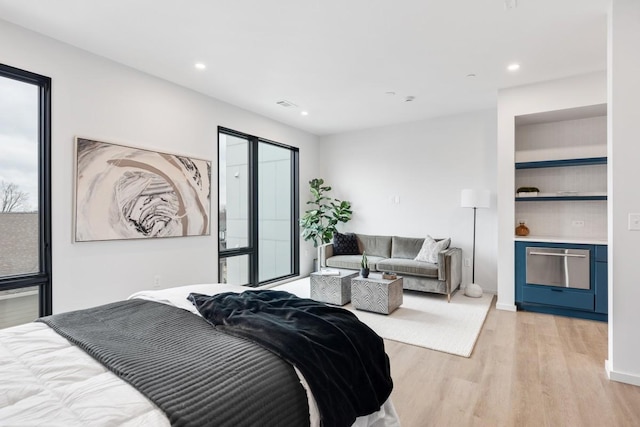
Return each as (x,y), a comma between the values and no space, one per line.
(345,244)
(379,246)
(431,248)
(408,266)
(352,262)
(405,247)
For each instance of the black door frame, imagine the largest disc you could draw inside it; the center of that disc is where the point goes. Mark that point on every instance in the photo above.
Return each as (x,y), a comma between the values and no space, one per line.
(252,248)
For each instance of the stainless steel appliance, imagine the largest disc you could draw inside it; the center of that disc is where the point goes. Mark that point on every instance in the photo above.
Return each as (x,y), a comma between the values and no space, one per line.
(569,268)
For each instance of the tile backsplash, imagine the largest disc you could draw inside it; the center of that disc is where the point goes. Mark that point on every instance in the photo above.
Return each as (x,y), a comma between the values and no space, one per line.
(562,218)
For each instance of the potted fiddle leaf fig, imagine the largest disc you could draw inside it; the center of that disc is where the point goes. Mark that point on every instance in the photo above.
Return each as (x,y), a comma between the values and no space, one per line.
(364,266)
(320,222)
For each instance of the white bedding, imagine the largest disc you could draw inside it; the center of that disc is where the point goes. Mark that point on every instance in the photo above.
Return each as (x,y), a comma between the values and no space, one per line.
(46,380)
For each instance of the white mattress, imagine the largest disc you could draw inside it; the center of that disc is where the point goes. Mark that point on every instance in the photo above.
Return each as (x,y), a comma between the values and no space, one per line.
(46,380)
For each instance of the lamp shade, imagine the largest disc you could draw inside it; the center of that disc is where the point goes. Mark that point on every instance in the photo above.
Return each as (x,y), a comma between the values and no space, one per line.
(470,198)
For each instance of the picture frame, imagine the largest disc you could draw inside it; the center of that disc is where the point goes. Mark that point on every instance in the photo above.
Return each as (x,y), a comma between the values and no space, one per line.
(124,192)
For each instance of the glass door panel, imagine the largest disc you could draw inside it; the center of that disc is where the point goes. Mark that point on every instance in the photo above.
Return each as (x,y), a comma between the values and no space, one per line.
(234,192)
(274,211)
(234,270)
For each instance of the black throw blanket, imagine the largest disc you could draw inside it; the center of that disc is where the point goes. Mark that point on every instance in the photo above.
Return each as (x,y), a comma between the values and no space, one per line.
(341,358)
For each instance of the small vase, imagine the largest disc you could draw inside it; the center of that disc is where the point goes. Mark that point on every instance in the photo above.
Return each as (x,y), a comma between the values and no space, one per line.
(522,230)
(364,272)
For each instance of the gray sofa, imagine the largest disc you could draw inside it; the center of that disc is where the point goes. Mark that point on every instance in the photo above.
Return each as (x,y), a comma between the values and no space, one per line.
(396,254)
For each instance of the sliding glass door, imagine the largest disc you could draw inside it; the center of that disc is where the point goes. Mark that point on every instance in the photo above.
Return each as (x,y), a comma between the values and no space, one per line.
(25,207)
(258,213)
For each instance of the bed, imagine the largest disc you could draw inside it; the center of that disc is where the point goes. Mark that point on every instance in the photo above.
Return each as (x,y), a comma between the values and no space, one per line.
(162,363)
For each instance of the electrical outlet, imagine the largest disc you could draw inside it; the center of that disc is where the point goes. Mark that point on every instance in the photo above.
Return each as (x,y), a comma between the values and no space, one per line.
(577,223)
(467,262)
(156,281)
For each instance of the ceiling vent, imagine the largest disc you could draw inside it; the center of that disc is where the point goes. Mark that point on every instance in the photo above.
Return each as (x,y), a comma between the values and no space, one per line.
(285,103)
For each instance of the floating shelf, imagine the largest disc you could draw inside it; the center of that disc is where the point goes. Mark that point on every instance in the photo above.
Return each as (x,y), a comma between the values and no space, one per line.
(558,198)
(564,162)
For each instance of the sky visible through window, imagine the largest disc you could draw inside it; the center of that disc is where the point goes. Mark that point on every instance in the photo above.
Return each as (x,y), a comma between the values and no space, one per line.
(19,138)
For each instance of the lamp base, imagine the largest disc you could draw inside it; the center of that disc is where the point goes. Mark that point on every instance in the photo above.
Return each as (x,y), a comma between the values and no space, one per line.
(473,290)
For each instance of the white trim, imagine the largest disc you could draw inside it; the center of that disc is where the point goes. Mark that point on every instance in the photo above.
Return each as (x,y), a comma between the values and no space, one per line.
(621,377)
(506,307)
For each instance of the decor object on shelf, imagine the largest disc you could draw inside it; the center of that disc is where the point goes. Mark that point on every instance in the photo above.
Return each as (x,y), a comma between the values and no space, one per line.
(522,230)
(527,191)
(319,223)
(364,266)
(131,193)
(475,199)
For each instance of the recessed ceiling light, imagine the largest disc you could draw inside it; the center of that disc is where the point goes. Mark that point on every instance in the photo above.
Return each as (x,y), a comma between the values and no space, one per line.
(200,66)
(513,67)
(304,113)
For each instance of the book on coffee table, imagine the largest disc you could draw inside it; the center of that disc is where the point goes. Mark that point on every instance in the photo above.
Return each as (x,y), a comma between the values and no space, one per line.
(328,272)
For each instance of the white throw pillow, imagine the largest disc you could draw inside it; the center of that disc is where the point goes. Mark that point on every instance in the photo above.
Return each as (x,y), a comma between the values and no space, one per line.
(430,249)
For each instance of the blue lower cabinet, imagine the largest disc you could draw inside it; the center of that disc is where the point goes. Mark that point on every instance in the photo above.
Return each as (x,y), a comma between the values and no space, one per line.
(587,303)
(602,290)
(559,297)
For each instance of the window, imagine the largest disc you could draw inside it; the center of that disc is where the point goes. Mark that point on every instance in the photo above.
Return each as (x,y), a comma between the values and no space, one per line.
(25,196)
(258,209)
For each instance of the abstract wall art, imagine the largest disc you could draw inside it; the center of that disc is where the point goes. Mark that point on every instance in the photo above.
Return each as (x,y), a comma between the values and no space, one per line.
(131,193)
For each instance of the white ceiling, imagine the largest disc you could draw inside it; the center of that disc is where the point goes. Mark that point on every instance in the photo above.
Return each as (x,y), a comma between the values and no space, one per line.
(335,59)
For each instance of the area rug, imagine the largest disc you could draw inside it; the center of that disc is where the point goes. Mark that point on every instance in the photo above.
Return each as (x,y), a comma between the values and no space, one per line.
(423,319)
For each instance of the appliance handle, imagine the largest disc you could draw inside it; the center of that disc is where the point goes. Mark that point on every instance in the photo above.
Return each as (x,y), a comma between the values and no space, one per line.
(554,254)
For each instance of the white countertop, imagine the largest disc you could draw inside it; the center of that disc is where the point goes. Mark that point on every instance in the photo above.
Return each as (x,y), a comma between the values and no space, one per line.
(555,239)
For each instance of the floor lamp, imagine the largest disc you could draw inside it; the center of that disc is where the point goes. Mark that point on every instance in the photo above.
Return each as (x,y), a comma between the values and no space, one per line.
(474,199)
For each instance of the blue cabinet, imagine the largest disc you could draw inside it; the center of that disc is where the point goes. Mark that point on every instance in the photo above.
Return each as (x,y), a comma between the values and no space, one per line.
(588,303)
(601,279)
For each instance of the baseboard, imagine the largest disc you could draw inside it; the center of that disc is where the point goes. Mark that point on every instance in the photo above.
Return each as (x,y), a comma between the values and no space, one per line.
(506,307)
(621,377)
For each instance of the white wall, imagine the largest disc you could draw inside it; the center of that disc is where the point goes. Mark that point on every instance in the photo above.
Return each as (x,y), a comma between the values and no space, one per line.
(590,89)
(425,164)
(624,155)
(97,98)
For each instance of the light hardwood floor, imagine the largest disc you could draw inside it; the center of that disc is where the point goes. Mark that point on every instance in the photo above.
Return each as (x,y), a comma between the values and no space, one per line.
(527,369)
